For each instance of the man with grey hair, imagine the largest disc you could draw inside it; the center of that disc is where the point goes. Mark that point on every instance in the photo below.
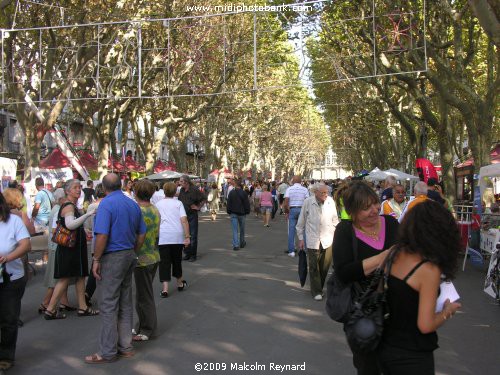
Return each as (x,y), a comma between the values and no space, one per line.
(420,195)
(119,231)
(390,182)
(316,226)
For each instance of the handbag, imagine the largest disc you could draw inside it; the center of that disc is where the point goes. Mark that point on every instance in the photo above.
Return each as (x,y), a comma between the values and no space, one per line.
(62,235)
(339,295)
(365,325)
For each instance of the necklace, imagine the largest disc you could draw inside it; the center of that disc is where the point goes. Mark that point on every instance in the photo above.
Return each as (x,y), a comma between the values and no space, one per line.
(373,234)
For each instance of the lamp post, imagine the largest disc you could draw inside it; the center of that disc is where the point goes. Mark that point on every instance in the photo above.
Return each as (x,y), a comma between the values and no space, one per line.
(196,158)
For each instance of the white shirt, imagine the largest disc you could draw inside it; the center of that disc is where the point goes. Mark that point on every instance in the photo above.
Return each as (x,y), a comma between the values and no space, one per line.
(318,222)
(157,196)
(296,195)
(11,233)
(229,188)
(282,188)
(171,230)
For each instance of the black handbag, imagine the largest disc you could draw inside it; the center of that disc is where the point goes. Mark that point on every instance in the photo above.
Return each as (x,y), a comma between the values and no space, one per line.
(365,325)
(339,295)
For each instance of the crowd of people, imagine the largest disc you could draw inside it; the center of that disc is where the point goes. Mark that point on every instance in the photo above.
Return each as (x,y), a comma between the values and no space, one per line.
(137,229)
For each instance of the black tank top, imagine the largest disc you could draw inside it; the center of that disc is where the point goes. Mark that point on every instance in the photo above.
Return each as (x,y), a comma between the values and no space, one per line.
(401,328)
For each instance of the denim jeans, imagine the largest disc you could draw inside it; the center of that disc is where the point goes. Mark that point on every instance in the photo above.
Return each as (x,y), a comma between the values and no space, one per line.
(238,220)
(293,217)
(192,249)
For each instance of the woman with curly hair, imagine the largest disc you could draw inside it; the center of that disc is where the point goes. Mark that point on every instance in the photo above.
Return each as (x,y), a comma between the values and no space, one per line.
(427,251)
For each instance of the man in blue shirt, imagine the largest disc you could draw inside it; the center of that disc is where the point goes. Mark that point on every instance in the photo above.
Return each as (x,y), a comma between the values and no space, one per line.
(119,231)
(43,204)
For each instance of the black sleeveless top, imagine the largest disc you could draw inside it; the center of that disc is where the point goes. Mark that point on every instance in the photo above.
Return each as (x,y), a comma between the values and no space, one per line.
(401,328)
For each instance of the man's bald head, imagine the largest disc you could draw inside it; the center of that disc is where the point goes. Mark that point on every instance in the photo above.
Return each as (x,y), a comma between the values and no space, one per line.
(296,180)
(111,182)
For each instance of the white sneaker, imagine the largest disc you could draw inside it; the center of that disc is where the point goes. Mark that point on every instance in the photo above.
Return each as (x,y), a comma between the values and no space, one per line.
(292,254)
(318,297)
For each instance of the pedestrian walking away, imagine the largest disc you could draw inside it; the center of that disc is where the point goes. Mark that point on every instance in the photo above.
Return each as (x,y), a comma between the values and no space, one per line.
(238,206)
(192,199)
(147,263)
(174,236)
(120,231)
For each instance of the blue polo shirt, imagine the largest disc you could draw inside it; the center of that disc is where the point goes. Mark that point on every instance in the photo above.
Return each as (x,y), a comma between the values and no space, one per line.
(120,218)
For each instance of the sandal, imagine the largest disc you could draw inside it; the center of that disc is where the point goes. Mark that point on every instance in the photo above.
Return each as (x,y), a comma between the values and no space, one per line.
(140,337)
(88,312)
(88,300)
(128,354)
(42,308)
(97,359)
(63,307)
(5,365)
(53,315)
(164,294)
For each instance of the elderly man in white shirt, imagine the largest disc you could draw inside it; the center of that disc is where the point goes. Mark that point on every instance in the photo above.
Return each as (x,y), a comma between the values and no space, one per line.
(318,219)
(294,199)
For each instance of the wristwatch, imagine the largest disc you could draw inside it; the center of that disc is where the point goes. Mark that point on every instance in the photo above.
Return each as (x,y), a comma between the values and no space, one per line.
(187,236)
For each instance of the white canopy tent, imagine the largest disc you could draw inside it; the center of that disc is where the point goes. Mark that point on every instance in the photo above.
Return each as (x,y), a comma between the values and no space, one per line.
(486,172)
(165,175)
(401,175)
(378,175)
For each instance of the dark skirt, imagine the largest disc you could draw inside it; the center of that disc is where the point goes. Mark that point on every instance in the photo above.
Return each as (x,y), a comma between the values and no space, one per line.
(72,261)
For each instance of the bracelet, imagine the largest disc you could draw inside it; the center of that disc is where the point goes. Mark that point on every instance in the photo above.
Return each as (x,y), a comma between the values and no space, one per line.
(97,260)
(187,236)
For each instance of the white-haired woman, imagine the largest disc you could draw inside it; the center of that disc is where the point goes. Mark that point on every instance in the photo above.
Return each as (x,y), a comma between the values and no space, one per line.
(48,281)
(71,262)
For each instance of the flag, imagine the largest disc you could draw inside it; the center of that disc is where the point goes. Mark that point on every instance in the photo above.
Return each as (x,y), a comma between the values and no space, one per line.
(425,170)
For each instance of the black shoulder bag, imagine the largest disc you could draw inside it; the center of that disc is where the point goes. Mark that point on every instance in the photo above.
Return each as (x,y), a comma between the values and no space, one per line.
(339,295)
(365,325)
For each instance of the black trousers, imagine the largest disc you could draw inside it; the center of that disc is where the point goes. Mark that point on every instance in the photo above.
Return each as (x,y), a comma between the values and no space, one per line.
(366,363)
(11,294)
(396,361)
(170,261)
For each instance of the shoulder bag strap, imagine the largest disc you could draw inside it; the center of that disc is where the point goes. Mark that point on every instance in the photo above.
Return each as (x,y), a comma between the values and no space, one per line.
(354,243)
(59,217)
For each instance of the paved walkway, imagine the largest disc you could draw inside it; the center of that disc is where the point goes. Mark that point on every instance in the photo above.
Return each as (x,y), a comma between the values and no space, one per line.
(245,308)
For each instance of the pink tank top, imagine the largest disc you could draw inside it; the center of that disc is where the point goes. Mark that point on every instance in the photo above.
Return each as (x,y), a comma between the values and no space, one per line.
(266,199)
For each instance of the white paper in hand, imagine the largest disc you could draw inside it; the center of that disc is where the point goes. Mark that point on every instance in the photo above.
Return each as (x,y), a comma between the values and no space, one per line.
(448,291)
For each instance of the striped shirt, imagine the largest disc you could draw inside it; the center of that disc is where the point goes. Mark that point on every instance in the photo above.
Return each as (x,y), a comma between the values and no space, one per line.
(296,195)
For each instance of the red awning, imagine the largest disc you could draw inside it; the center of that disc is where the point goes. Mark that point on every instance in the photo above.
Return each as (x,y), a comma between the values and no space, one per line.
(56,159)
(227,173)
(494,158)
(117,166)
(495,154)
(466,163)
(87,160)
(132,165)
(160,166)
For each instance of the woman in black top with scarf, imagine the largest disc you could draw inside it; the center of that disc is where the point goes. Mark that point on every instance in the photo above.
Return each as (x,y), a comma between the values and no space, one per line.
(373,235)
